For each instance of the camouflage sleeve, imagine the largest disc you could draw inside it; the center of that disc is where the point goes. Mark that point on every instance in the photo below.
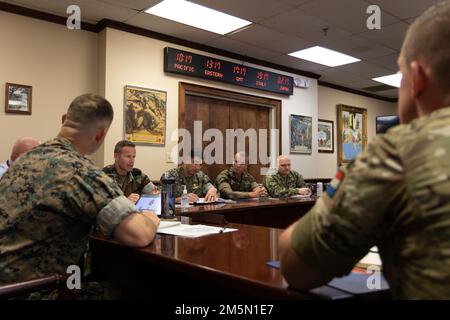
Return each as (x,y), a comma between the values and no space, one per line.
(148,188)
(113,214)
(88,194)
(253,183)
(349,218)
(274,189)
(226,191)
(300,182)
(146,185)
(206,182)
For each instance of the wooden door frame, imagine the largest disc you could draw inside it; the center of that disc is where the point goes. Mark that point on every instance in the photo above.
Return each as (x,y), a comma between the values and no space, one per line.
(185,88)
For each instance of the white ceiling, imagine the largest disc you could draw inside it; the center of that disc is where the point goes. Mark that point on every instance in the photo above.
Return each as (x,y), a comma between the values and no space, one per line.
(280,27)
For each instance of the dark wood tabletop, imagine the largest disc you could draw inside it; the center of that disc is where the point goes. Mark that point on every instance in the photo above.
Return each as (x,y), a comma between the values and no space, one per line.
(234,263)
(275,213)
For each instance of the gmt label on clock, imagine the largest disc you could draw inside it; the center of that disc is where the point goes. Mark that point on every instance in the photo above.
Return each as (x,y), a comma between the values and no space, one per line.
(196,65)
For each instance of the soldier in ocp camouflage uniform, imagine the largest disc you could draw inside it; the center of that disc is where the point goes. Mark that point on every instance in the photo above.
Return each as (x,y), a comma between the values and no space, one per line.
(396,195)
(132,181)
(51,197)
(285,182)
(236,183)
(198,184)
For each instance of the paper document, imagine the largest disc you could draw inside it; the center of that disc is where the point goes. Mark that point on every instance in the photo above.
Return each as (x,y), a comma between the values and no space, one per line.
(370,259)
(168,224)
(191,231)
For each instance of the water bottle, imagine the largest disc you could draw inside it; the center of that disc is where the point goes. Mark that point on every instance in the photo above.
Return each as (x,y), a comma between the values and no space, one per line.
(184,198)
(319,189)
(167,197)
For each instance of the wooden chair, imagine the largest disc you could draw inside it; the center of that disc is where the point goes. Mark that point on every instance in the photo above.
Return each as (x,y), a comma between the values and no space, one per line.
(18,289)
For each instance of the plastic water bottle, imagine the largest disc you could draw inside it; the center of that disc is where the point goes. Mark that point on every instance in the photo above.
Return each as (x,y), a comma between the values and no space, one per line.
(319,189)
(184,198)
(167,197)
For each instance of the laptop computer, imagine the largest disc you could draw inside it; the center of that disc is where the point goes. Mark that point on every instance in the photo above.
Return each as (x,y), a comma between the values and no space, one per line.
(151,202)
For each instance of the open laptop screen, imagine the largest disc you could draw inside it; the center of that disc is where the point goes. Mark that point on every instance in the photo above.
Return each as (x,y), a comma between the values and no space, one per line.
(150,202)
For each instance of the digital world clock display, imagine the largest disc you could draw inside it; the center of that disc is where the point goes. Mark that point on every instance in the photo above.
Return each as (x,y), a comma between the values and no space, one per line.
(195,65)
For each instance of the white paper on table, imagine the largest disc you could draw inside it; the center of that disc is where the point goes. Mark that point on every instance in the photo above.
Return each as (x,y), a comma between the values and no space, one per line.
(192,231)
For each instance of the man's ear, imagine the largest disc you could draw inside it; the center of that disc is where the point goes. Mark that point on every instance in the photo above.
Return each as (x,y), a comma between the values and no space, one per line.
(101,134)
(420,79)
(63,118)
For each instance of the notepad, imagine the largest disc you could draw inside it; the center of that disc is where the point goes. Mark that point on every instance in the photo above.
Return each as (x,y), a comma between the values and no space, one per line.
(191,231)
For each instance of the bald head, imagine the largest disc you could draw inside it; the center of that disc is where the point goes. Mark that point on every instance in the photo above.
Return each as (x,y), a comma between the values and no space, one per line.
(22,146)
(240,163)
(428,40)
(283,165)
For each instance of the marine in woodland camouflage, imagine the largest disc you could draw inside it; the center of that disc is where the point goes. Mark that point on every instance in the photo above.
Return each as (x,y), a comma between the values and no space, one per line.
(199,183)
(279,186)
(134,182)
(50,199)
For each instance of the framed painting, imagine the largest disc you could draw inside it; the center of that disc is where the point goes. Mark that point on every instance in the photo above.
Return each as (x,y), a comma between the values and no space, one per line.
(352,132)
(325,136)
(145,115)
(17,98)
(300,134)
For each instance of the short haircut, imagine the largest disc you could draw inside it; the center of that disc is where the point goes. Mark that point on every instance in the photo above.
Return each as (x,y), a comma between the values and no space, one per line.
(281,157)
(428,39)
(89,109)
(122,144)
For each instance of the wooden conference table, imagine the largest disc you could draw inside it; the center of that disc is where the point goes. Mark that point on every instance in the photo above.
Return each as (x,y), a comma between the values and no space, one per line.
(275,213)
(220,266)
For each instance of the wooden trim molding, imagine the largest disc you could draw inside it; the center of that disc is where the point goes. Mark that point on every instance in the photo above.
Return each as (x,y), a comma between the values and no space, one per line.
(107,23)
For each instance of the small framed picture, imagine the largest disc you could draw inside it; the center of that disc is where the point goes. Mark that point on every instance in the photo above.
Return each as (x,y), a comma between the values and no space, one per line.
(301,134)
(325,136)
(17,98)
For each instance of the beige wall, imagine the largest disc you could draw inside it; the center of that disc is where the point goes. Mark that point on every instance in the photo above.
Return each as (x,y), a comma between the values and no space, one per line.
(61,64)
(58,63)
(138,61)
(328,99)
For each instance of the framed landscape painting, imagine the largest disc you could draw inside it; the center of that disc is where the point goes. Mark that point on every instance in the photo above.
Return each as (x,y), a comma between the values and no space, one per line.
(352,132)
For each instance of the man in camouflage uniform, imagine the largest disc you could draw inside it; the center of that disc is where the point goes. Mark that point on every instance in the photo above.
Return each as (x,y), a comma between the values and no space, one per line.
(21,146)
(198,184)
(396,195)
(132,181)
(236,183)
(52,196)
(285,182)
